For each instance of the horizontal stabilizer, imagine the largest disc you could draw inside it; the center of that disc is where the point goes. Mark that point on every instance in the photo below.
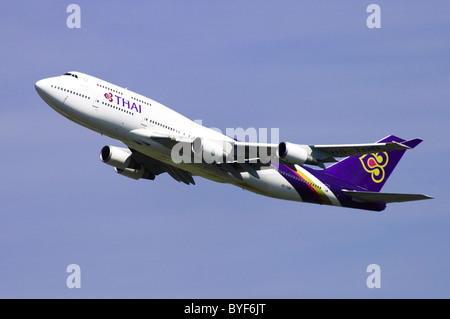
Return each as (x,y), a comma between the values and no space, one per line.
(374,197)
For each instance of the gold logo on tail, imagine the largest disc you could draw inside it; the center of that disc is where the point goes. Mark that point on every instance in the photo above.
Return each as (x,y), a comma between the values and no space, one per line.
(374,164)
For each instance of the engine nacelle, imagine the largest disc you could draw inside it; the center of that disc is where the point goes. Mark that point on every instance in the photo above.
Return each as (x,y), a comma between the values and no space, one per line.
(121,159)
(294,154)
(135,173)
(116,156)
(209,150)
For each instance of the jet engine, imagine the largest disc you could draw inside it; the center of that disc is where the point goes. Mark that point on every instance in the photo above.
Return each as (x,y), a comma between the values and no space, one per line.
(116,156)
(123,163)
(210,151)
(295,154)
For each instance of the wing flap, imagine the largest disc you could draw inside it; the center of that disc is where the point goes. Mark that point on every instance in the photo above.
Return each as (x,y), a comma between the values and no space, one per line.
(374,197)
(180,175)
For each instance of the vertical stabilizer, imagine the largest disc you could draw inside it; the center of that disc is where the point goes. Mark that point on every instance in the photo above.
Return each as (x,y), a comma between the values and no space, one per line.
(370,171)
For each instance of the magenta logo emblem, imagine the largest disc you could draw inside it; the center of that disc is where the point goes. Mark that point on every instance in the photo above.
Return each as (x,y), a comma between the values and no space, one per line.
(109,97)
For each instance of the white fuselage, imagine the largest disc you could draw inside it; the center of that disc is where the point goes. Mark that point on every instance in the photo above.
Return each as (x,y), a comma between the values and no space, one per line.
(114,111)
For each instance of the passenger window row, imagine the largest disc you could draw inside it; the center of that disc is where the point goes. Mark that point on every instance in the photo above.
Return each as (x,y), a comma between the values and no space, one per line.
(70,91)
(109,89)
(141,101)
(118,108)
(164,126)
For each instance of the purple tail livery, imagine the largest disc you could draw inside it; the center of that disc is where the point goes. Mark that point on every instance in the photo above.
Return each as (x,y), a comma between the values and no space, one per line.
(355,181)
(370,171)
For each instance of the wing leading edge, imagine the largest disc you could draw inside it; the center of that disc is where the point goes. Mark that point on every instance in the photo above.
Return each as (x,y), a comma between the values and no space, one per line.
(361,149)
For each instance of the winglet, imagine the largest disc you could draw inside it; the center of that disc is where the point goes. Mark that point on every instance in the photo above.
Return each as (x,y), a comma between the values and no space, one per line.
(412,143)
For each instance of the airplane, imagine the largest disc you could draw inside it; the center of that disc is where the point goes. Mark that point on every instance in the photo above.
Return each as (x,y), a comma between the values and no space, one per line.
(160,140)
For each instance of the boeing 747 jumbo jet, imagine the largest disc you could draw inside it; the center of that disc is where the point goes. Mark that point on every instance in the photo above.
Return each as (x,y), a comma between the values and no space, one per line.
(160,140)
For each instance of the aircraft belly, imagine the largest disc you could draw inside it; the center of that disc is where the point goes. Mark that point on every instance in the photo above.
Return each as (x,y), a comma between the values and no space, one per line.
(271,184)
(310,187)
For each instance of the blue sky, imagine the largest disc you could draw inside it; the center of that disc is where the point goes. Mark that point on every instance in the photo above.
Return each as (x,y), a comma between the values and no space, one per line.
(312,69)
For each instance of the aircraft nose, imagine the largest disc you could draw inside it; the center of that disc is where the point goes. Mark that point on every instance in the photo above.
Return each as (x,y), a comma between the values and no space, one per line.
(43,88)
(39,86)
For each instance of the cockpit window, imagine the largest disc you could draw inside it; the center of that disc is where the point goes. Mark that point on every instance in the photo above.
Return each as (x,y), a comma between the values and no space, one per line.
(71,74)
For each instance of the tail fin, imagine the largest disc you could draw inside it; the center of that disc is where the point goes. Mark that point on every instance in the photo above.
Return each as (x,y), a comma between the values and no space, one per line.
(370,171)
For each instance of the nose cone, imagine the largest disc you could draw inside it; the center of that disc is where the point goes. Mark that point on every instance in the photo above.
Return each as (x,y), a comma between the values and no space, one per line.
(40,87)
(43,88)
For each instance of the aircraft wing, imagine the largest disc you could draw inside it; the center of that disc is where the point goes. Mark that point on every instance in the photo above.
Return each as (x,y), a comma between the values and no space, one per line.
(264,152)
(320,154)
(345,150)
(242,156)
(374,197)
(158,167)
